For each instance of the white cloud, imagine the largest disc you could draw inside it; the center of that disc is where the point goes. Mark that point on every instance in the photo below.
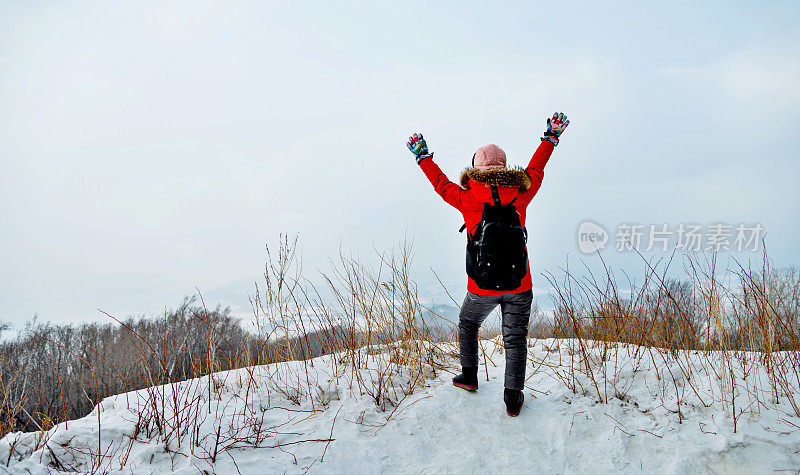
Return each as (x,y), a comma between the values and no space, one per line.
(755,80)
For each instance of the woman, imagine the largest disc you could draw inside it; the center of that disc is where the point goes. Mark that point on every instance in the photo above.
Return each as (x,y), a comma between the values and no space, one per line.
(490,189)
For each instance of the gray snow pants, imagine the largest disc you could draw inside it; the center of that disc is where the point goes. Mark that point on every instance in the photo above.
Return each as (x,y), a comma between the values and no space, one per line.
(516,310)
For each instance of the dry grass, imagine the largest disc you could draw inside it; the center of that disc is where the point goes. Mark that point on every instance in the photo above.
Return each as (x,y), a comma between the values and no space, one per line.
(375,326)
(740,325)
(744,333)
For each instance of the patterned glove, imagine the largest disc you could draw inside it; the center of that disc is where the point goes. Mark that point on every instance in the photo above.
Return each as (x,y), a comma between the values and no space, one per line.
(418,147)
(555,127)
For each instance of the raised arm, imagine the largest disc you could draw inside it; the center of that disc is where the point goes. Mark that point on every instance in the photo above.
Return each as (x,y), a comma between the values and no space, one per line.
(535,168)
(451,193)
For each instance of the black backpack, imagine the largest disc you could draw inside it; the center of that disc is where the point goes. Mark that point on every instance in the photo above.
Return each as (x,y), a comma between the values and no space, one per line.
(496,255)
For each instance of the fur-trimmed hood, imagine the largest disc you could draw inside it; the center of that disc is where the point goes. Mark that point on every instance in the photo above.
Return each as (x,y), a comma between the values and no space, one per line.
(503,177)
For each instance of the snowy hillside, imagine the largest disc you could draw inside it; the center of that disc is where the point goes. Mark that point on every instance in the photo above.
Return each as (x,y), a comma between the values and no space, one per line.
(321,416)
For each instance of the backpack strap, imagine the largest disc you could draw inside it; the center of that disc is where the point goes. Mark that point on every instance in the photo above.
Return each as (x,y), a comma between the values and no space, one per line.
(495,195)
(462,228)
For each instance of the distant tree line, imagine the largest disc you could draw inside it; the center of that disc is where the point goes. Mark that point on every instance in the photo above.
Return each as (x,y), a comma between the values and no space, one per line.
(52,372)
(55,372)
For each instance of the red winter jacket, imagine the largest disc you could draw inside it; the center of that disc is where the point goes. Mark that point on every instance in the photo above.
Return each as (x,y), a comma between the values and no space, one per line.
(474,192)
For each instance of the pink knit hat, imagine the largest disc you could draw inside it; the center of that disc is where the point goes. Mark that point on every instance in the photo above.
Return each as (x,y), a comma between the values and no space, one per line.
(488,157)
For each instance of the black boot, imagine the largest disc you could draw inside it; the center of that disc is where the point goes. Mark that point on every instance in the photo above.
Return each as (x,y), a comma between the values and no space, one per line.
(468,379)
(513,399)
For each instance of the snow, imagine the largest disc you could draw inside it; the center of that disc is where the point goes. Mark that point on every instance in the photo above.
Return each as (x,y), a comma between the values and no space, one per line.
(564,427)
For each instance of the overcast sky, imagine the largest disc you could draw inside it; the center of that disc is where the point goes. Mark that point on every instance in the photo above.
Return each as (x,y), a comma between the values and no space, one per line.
(148,148)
